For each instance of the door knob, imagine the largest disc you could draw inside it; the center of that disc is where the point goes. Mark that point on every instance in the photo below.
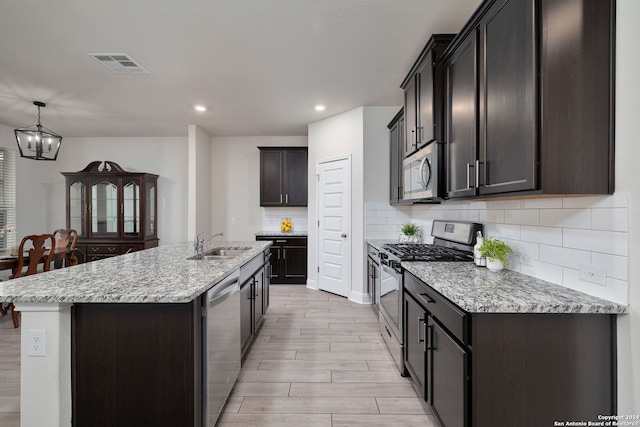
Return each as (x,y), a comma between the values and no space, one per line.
(343,235)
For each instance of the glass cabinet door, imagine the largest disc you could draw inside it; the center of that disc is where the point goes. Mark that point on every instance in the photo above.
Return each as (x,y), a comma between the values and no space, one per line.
(131,209)
(104,209)
(150,228)
(77,208)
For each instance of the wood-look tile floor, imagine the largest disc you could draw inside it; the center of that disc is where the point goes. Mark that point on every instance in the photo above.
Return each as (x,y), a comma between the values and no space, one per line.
(319,361)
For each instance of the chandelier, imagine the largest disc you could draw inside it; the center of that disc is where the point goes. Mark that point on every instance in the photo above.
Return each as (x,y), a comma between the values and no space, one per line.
(37,142)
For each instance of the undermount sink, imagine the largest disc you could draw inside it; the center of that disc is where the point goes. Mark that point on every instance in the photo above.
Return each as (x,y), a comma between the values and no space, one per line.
(226,252)
(220,254)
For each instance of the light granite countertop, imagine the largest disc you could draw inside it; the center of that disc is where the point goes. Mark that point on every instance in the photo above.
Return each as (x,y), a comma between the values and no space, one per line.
(281,234)
(157,275)
(478,290)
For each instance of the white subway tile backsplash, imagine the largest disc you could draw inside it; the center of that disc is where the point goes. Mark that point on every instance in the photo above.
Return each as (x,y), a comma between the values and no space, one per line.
(522,216)
(609,219)
(608,242)
(472,215)
(614,201)
(375,220)
(271,218)
(555,234)
(569,218)
(398,221)
(380,206)
(542,203)
(613,290)
(564,256)
(617,266)
(491,215)
(503,204)
(504,231)
(519,247)
(544,235)
(545,271)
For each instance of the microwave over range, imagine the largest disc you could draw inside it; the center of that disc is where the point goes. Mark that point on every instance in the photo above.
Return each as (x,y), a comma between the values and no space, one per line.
(423,175)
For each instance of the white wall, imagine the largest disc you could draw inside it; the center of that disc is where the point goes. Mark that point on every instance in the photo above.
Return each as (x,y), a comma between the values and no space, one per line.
(235,165)
(377,152)
(627,158)
(362,134)
(199,212)
(40,198)
(335,137)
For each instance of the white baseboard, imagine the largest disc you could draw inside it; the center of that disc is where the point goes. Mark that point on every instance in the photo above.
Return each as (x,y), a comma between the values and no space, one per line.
(359,297)
(312,284)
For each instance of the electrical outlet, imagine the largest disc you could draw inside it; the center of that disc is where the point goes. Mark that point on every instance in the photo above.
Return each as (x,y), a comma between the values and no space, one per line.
(234,221)
(37,342)
(527,258)
(593,273)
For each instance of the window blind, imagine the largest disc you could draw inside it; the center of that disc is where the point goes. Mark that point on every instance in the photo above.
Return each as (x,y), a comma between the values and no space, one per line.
(7,196)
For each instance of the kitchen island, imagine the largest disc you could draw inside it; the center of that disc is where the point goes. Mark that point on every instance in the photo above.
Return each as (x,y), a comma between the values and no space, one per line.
(161,281)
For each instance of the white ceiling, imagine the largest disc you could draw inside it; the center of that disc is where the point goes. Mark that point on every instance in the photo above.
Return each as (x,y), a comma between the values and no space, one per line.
(259,66)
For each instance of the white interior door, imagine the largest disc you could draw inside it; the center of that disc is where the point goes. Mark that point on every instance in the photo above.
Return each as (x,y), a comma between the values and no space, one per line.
(334,226)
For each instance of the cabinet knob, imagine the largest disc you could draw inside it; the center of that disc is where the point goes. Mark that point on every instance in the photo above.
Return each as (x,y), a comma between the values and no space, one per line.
(343,235)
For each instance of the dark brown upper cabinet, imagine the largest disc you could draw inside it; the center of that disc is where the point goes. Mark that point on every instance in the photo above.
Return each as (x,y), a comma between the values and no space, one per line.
(396,154)
(283,176)
(423,99)
(529,100)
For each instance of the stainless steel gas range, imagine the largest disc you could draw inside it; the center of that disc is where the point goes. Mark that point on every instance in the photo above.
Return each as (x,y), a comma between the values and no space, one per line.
(453,242)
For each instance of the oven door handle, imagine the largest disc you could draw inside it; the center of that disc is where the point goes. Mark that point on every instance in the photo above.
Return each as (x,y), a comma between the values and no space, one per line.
(392,267)
(388,269)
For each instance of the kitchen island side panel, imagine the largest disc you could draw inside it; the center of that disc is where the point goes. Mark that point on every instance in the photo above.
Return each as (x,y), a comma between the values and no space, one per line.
(136,364)
(534,369)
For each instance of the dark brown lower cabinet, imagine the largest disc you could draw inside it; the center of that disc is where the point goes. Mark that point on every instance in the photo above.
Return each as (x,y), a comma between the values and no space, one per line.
(254,294)
(288,259)
(137,364)
(507,369)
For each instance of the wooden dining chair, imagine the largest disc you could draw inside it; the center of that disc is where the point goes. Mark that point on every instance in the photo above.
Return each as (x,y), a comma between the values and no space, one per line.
(38,253)
(67,238)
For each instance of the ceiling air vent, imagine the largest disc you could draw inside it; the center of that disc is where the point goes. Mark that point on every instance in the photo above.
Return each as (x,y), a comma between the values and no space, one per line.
(120,63)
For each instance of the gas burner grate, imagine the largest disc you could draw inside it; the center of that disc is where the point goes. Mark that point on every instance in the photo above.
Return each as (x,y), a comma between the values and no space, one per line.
(426,252)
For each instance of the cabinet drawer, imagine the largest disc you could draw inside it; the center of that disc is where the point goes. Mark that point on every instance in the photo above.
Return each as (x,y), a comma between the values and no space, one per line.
(285,241)
(446,313)
(103,249)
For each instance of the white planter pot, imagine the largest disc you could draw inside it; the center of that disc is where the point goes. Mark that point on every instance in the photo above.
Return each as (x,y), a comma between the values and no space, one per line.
(416,238)
(494,264)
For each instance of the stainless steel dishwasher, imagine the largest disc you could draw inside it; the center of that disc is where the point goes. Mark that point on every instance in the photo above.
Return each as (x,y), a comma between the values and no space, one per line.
(222,347)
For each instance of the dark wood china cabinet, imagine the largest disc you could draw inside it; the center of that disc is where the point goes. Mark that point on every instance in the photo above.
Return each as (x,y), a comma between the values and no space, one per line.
(113,211)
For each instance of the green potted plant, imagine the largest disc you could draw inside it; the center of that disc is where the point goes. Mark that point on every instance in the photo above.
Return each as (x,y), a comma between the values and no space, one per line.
(410,233)
(497,252)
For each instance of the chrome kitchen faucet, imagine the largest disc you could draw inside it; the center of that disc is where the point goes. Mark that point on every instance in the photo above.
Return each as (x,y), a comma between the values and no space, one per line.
(198,243)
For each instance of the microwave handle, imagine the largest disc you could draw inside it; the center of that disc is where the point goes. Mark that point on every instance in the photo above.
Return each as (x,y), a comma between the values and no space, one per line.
(422,165)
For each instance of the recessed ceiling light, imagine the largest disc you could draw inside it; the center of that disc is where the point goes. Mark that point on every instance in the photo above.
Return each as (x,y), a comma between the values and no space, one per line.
(320,107)
(200,108)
